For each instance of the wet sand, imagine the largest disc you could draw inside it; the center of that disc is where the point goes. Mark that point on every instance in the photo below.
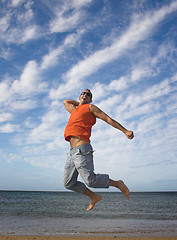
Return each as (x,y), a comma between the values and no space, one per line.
(25,237)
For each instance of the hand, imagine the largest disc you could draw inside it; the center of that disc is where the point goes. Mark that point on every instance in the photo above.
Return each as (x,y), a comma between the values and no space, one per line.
(129,134)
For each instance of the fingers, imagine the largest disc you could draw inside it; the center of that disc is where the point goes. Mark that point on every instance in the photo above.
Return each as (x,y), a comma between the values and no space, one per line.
(130,134)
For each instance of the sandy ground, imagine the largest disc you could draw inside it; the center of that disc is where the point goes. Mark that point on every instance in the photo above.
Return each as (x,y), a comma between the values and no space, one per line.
(14,237)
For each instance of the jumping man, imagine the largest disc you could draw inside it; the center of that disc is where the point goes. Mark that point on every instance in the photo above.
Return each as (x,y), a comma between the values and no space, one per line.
(80,157)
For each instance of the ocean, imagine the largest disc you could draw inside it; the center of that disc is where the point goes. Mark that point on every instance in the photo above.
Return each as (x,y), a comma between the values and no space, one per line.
(64,213)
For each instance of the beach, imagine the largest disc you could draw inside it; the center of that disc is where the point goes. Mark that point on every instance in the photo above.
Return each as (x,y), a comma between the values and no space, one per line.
(61,215)
(12,237)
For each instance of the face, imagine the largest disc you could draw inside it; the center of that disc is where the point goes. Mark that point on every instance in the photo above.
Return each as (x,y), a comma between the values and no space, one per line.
(85,97)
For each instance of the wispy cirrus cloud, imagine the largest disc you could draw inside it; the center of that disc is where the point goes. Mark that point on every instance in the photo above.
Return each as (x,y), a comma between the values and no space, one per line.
(19,94)
(23,29)
(9,128)
(52,57)
(49,50)
(45,130)
(138,30)
(5,117)
(143,68)
(27,85)
(68,16)
(15,3)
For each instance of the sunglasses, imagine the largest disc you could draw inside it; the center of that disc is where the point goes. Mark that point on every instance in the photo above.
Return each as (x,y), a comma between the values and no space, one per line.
(88,94)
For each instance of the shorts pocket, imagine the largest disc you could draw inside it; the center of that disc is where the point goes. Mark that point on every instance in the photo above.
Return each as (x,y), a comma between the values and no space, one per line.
(84,159)
(85,152)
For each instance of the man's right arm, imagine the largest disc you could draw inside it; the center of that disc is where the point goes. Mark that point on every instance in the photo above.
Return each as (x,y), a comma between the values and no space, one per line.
(103,116)
(70,104)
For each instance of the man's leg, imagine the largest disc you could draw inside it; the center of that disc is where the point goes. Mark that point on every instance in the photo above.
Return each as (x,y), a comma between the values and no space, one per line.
(121,186)
(70,176)
(84,165)
(94,198)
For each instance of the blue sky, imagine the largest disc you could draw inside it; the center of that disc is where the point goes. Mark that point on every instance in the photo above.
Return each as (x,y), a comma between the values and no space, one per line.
(125,52)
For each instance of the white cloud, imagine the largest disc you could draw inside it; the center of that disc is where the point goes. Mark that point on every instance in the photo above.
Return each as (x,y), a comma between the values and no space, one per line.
(149,124)
(165,51)
(5,117)
(21,105)
(23,28)
(158,90)
(4,91)
(15,3)
(110,103)
(9,128)
(143,109)
(13,93)
(52,58)
(99,90)
(146,107)
(62,24)
(137,31)
(152,93)
(68,16)
(137,96)
(118,84)
(6,53)
(29,123)
(17,95)
(138,73)
(5,22)
(174,78)
(143,69)
(29,33)
(29,82)
(45,161)
(48,129)
(79,3)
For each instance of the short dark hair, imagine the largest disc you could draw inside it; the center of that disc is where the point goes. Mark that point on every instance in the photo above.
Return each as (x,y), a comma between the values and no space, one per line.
(90,93)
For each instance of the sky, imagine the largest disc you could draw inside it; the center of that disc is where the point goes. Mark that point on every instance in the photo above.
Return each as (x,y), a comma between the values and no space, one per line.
(125,52)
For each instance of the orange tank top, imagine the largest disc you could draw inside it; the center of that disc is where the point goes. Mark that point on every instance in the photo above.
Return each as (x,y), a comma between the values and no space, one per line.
(80,123)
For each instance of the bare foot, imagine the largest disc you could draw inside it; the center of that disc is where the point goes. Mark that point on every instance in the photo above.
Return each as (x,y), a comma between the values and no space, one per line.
(123,188)
(95,199)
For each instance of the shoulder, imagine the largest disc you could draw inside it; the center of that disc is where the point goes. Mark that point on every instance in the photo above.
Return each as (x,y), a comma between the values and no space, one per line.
(94,110)
(92,107)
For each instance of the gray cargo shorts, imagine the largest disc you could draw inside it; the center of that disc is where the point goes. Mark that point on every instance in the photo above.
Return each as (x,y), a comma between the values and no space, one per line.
(80,161)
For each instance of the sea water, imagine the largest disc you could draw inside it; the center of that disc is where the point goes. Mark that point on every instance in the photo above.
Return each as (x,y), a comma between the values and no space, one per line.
(64,213)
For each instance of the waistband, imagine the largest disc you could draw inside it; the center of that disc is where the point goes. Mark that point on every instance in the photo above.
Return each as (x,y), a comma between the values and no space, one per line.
(85,146)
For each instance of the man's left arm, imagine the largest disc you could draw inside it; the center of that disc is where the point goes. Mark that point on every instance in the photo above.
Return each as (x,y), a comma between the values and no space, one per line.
(103,116)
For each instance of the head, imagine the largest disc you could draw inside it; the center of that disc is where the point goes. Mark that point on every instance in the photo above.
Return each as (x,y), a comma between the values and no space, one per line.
(85,97)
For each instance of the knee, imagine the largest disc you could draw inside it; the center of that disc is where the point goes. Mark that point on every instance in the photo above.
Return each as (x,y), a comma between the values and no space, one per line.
(68,185)
(90,182)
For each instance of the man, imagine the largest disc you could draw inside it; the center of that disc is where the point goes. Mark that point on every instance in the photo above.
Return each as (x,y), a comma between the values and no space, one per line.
(80,157)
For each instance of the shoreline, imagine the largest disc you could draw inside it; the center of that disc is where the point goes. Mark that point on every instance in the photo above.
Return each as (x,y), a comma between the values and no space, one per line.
(31,237)
(75,228)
